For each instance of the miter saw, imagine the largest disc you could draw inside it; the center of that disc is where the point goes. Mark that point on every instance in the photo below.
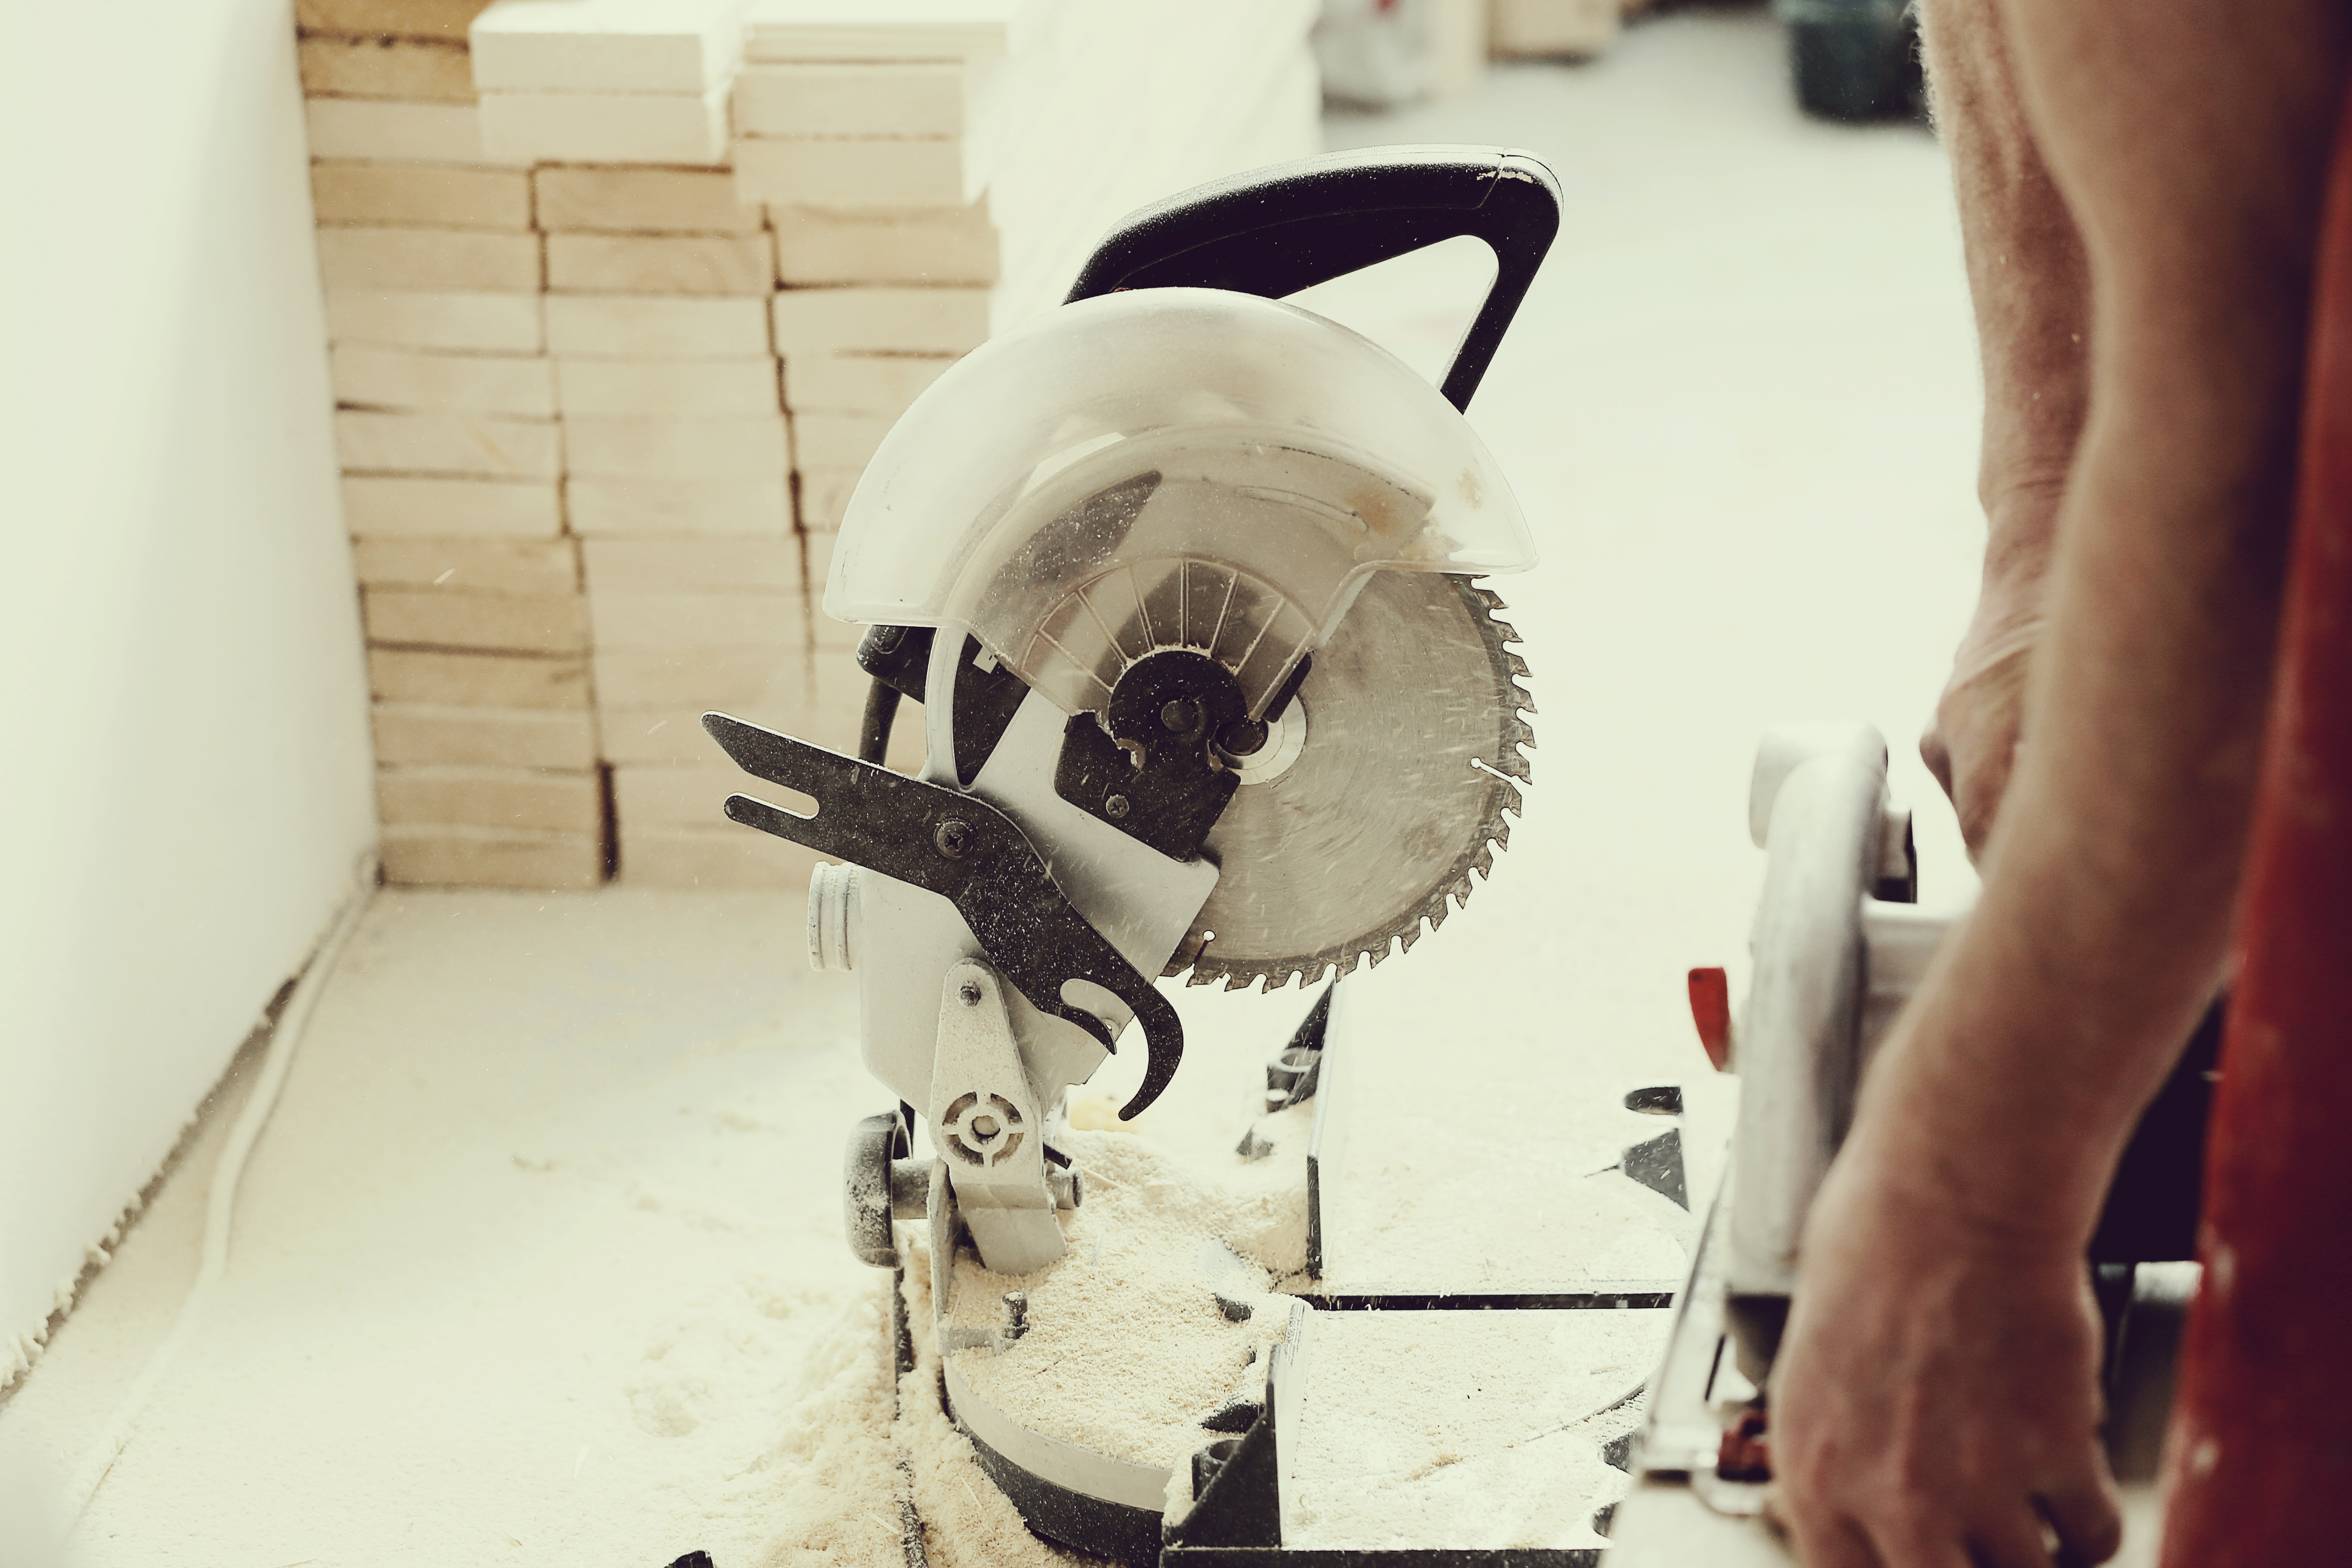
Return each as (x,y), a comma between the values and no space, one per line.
(1182,578)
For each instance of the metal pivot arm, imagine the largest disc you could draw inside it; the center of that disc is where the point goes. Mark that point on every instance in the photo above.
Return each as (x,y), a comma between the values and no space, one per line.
(970,854)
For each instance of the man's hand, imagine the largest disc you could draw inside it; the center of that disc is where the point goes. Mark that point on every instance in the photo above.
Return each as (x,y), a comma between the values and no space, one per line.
(1971,746)
(1935,1403)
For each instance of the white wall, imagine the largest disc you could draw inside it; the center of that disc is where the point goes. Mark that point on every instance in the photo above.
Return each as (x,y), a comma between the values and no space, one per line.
(184,767)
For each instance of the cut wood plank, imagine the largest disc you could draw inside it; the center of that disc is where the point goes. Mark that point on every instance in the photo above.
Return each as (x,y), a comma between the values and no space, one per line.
(838,440)
(608,46)
(455,856)
(900,98)
(470,566)
(850,171)
(822,703)
(770,619)
(737,680)
(743,447)
(726,856)
(878,385)
(534,799)
(487,446)
(685,564)
(908,320)
(511,623)
(434,196)
(668,734)
(491,323)
(639,326)
(403,507)
(368,376)
(679,388)
(485,737)
(444,19)
(891,30)
(642,201)
(661,264)
(476,680)
(606,127)
(386,68)
(397,130)
(451,260)
(647,796)
(824,495)
(1545,27)
(666,507)
(925,244)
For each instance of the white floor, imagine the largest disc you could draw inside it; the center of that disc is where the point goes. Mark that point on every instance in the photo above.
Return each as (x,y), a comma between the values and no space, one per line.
(531,1255)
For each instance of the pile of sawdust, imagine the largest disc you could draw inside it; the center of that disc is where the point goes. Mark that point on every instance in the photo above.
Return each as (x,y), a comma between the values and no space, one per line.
(1127,1349)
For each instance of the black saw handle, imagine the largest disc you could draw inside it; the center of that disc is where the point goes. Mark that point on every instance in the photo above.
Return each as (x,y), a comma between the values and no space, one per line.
(1274,231)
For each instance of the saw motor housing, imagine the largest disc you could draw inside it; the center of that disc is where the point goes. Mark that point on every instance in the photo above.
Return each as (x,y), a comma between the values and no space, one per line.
(1106,551)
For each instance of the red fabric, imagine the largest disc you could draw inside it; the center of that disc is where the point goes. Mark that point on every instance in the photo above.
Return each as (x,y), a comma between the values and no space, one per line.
(2261,1452)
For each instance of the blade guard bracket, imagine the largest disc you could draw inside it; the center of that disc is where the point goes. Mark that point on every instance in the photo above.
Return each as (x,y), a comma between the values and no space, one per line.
(968,852)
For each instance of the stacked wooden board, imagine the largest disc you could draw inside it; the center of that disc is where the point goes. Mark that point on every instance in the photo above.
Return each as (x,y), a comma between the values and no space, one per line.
(452,454)
(1540,28)
(623,295)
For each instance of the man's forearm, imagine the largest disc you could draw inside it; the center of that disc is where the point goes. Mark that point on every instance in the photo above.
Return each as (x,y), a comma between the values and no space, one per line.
(2104,921)
(2028,283)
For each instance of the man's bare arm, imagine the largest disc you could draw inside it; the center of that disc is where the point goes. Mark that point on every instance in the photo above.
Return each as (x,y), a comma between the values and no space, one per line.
(2030,284)
(1934,1402)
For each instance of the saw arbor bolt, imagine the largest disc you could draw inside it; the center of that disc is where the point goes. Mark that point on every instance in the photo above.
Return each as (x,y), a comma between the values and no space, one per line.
(952,838)
(1179,715)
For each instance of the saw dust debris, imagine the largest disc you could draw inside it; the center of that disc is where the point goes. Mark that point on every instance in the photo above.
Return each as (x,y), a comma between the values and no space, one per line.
(1127,1349)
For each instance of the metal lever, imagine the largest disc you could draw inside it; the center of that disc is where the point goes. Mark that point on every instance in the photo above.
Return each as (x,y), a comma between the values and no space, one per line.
(970,854)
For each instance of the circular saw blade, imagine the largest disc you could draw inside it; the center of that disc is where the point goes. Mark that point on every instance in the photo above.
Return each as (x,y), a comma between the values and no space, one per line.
(1413,735)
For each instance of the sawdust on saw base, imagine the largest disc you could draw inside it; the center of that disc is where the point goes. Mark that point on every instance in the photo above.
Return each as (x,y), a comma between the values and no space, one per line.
(1457,1429)
(1127,1349)
(849,1448)
(1477,1430)
(967,1523)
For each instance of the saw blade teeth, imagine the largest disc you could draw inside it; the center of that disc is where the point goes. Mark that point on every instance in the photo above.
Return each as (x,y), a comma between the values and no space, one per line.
(1468,630)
